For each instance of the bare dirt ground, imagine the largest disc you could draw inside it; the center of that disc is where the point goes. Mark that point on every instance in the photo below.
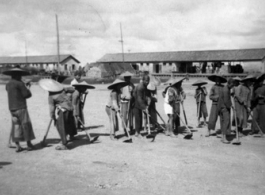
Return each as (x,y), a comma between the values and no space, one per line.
(166,166)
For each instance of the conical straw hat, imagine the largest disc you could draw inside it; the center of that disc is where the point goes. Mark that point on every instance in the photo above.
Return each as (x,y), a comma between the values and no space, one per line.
(199,82)
(17,71)
(116,83)
(151,86)
(214,78)
(84,84)
(249,78)
(169,81)
(126,74)
(177,81)
(237,79)
(50,85)
(156,81)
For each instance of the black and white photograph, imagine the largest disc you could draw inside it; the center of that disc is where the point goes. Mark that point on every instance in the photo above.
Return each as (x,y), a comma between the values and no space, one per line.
(132,97)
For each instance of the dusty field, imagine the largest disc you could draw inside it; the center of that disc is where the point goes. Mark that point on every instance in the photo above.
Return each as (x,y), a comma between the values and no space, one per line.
(166,166)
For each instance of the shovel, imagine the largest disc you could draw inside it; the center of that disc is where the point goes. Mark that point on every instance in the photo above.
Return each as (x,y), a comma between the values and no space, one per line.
(183,109)
(87,134)
(46,134)
(149,135)
(189,135)
(161,119)
(126,129)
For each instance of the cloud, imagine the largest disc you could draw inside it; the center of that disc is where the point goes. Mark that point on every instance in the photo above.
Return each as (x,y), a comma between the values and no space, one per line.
(89,29)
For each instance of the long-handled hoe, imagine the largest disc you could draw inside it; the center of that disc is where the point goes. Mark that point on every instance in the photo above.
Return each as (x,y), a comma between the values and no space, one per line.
(87,134)
(126,129)
(46,134)
(189,135)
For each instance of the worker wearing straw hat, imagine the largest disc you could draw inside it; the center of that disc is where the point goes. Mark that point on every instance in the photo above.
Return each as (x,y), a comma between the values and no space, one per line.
(113,106)
(61,110)
(77,79)
(200,96)
(224,110)
(258,105)
(127,100)
(214,96)
(141,103)
(243,99)
(172,106)
(78,101)
(18,93)
(235,91)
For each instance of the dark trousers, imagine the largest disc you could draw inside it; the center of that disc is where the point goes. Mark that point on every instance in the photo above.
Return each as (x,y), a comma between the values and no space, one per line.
(176,119)
(259,117)
(66,125)
(152,113)
(138,119)
(213,117)
(225,121)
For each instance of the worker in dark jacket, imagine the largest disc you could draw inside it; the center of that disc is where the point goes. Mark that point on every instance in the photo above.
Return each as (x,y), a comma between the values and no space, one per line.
(214,96)
(18,93)
(78,101)
(61,109)
(224,108)
(259,105)
(141,103)
(200,96)
(243,99)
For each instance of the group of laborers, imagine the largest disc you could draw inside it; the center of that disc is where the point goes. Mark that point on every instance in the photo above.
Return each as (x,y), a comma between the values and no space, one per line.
(133,104)
(65,104)
(240,95)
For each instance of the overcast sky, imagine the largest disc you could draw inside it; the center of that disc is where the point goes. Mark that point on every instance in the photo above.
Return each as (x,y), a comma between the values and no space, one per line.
(91,28)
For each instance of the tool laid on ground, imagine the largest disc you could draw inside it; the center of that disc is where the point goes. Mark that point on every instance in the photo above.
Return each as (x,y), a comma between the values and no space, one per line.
(126,129)
(189,135)
(46,134)
(237,141)
(87,134)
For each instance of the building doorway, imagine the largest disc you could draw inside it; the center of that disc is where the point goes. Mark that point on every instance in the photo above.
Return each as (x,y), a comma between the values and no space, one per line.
(158,68)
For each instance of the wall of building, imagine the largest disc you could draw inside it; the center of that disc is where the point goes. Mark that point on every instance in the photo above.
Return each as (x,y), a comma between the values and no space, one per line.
(254,67)
(69,66)
(158,67)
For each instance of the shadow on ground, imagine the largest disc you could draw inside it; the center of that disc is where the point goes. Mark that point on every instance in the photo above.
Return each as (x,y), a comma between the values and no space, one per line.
(4,164)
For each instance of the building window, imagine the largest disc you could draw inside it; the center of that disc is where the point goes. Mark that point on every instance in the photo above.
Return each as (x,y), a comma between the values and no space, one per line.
(65,67)
(73,67)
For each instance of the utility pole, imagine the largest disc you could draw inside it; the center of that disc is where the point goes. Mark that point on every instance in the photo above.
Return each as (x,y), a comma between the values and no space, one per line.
(58,42)
(122,45)
(26,53)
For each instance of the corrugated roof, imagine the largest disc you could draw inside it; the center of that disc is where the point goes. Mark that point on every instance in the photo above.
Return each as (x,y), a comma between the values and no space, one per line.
(35,59)
(188,56)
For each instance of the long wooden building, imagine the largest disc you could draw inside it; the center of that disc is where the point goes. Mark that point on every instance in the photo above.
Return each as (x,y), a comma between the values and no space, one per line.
(210,61)
(67,63)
